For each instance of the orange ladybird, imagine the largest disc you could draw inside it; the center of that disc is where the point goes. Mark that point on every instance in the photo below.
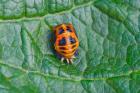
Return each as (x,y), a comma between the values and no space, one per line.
(66,42)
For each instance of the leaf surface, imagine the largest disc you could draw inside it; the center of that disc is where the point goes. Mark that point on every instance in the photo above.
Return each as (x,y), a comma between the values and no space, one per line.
(109,51)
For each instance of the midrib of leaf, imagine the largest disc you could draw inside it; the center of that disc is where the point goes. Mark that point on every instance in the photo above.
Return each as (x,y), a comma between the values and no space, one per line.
(62,78)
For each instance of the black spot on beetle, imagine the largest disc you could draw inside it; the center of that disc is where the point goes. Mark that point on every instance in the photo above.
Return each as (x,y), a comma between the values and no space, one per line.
(73,46)
(69,29)
(63,52)
(62,42)
(72,40)
(61,30)
(62,48)
(73,50)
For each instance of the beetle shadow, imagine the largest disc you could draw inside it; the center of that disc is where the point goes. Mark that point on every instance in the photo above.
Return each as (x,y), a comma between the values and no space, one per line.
(51,38)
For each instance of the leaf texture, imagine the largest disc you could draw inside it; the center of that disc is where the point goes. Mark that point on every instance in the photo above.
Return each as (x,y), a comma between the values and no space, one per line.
(109,51)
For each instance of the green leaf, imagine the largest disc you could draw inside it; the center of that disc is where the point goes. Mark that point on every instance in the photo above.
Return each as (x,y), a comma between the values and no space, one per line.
(109,51)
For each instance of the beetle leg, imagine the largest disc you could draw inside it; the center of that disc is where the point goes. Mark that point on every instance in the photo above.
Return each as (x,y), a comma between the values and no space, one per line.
(71,61)
(62,59)
(68,61)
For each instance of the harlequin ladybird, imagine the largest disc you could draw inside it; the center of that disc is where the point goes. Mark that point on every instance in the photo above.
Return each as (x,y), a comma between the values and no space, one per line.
(66,42)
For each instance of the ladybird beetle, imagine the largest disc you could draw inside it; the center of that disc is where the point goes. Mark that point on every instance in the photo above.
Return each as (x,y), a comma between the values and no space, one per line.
(66,42)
